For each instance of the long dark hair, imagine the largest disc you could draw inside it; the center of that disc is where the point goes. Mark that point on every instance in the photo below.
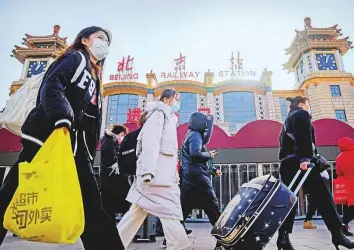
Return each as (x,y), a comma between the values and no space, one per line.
(166,93)
(295,101)
(96,70)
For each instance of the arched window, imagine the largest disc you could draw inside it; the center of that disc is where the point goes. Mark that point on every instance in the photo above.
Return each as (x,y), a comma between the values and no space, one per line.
(284,108)
(239,108)
(188,106)
(118,106)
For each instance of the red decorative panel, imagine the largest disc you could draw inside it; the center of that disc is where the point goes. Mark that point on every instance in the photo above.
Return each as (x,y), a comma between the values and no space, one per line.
(204,110)
(257,134)
(133,115)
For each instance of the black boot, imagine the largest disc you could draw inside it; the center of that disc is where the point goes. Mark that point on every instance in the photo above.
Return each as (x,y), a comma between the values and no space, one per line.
(339,239)
(283,242)
(346,230)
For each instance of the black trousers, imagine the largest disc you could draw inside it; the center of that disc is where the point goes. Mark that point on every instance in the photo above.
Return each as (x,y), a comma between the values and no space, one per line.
(310,210)
(114,191)
(319,196)
(100,230)
(348,214)
(194,199)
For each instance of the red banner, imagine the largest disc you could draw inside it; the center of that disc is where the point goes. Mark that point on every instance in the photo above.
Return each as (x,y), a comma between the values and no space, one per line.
(133,115)
(204,110)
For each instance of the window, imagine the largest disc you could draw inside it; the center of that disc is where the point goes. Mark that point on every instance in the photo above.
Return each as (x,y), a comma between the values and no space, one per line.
(284,108)
(118,106)
(335,90)
(188,106)
(340,115)
(239,108)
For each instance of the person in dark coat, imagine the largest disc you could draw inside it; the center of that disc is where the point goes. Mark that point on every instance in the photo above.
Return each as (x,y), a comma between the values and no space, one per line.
(196,188)
(70,97)
(114,186)
(297,148)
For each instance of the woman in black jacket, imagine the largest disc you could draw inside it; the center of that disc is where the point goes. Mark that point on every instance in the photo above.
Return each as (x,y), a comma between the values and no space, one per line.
(297,148)
(70,96)
(114,186)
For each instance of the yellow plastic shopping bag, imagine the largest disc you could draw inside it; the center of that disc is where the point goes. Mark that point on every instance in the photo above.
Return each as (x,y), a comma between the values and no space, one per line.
(47,205)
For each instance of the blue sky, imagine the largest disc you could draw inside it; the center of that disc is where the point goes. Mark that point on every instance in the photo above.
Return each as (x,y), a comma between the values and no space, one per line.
(156,31)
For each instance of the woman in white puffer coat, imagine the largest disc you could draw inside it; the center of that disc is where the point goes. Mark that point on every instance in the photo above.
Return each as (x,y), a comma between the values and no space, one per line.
(155,190)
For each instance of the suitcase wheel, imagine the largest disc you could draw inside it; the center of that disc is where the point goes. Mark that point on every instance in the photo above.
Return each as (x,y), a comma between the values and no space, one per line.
(135,239)
(152,238)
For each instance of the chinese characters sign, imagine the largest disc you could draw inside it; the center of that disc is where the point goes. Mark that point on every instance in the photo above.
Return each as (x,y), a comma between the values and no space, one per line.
(125,70)
(180,70)
(133,115)
(236,68)
(25,217)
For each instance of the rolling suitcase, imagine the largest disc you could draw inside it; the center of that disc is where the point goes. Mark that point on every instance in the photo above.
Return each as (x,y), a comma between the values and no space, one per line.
(256,212)
(147,231)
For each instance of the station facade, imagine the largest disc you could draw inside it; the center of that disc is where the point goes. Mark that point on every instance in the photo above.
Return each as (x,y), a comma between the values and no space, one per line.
(248,113)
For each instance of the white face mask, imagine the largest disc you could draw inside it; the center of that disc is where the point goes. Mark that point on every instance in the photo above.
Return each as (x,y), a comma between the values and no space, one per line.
(99,49)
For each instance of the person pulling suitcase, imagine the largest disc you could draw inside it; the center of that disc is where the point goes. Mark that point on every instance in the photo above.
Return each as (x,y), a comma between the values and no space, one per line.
(297,149)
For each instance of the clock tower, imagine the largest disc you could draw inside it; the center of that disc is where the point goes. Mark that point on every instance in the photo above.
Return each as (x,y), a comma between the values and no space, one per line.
(316,60)
(38,53)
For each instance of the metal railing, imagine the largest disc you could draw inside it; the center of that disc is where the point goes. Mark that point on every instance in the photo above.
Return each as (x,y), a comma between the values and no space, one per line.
(233,176)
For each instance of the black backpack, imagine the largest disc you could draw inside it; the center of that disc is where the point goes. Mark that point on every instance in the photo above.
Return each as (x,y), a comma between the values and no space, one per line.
(127,153)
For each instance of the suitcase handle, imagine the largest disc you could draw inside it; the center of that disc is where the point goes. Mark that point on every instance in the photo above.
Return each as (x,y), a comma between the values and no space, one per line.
(280,206)
(308,171)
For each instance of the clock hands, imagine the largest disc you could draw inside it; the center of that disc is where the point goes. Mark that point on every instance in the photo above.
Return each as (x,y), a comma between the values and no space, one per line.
(38,65)
(327,57)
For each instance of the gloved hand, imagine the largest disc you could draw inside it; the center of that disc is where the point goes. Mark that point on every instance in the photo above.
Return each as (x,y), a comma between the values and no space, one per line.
(325,175)
(147,178)
(115,169)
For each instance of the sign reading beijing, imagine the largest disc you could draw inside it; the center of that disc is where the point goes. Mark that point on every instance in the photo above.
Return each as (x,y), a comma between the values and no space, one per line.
(125,70)
(236,68)
(180,70)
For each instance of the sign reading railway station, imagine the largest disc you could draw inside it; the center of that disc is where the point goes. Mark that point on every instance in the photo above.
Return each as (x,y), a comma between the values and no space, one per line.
(236,69)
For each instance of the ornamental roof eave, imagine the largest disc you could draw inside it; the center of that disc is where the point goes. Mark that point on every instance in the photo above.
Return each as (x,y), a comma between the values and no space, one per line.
(56,43)
(332,32)
(34,52)
(39,38)
(341,44)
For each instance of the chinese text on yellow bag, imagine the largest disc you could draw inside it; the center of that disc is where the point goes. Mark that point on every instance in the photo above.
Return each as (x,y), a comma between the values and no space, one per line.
(47,205)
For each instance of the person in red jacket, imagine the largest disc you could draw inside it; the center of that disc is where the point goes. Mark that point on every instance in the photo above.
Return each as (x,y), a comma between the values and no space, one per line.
(345,167)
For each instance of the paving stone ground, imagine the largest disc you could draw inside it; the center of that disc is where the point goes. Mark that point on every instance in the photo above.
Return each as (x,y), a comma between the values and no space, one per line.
(200,239)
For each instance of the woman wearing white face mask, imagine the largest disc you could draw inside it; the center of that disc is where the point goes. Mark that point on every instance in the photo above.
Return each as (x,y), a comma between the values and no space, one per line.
(155,190)
(70,96)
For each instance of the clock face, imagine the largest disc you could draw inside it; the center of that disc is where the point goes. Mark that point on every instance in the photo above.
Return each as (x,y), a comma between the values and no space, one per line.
(326,61)
(36,68)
